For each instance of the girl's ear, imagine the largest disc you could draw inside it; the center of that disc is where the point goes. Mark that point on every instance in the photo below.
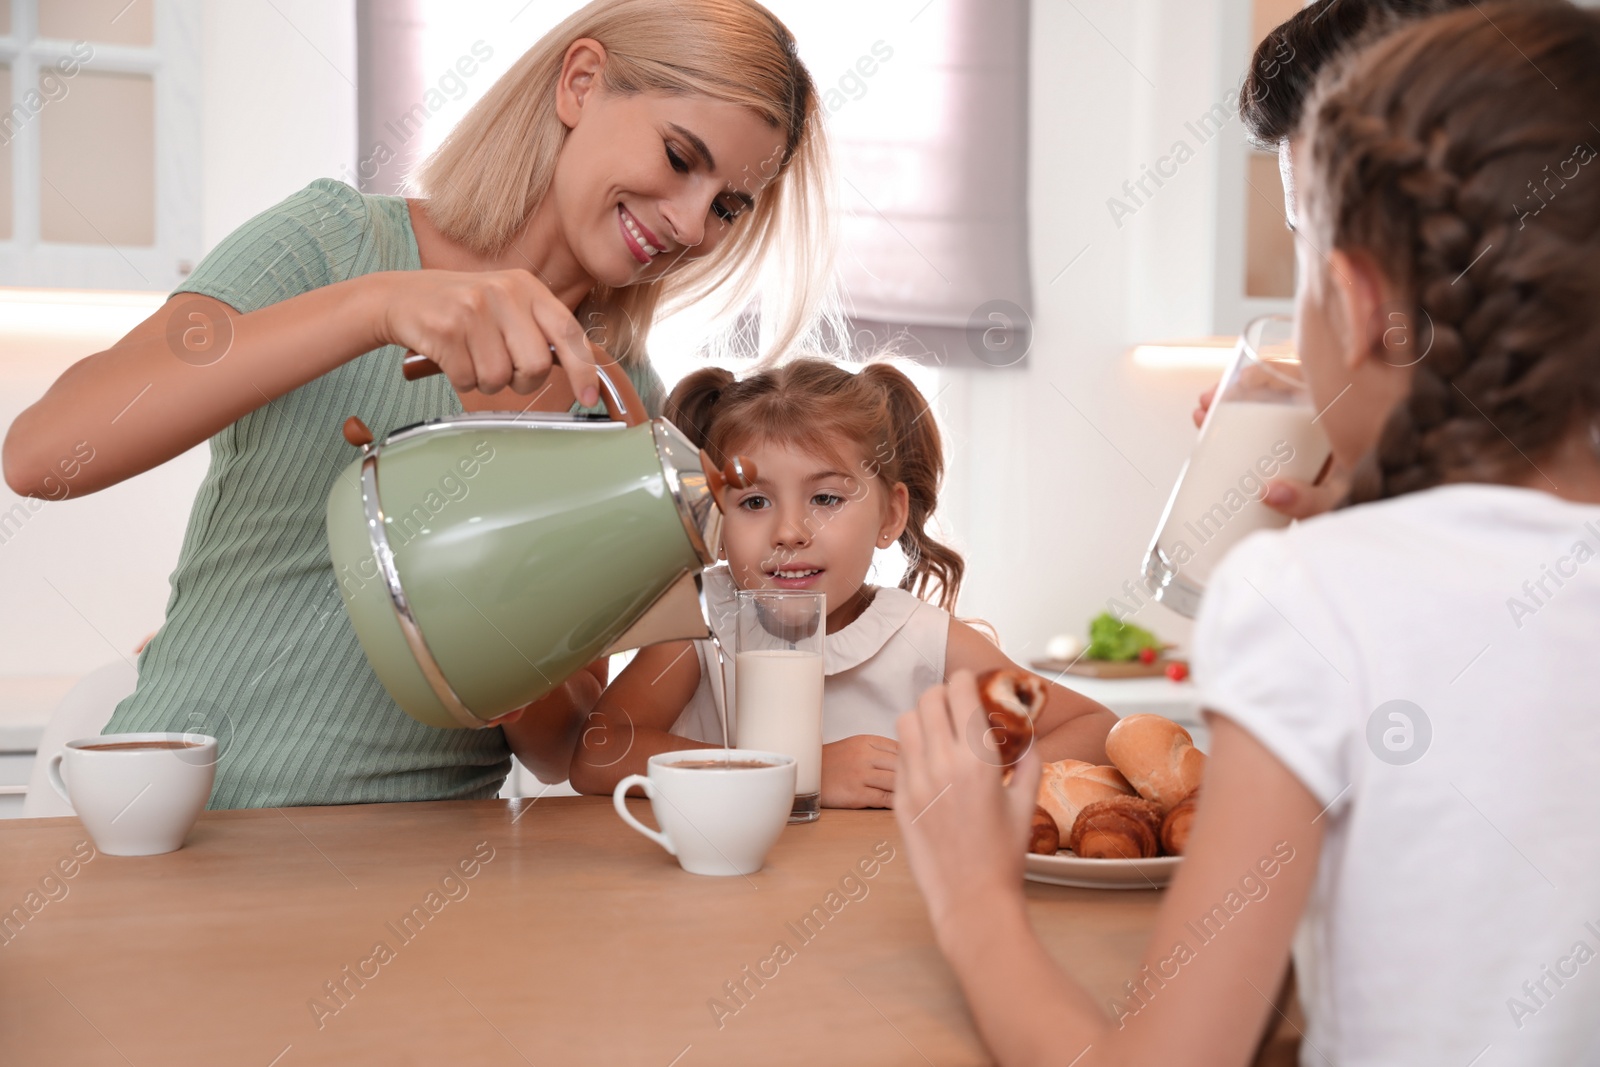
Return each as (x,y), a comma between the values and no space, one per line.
(1360,293)
(580,74)
(894,515)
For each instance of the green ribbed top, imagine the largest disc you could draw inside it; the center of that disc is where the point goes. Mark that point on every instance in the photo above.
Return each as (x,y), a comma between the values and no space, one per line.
(256,648)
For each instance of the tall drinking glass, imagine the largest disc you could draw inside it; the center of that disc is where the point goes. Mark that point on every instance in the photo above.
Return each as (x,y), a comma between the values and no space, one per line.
(777,679)
(1262,425)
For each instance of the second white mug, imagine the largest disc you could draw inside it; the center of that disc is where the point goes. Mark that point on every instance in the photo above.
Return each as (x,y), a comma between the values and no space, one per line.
(136,794)
(719,809)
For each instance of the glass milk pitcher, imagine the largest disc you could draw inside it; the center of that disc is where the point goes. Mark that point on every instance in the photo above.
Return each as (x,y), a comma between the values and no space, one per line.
(1261,426)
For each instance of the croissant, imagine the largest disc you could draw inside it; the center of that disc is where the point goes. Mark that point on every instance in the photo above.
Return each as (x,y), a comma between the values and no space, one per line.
(1117,828)
(1011,701)
(1067,785)
(1043,837)
(1175,827)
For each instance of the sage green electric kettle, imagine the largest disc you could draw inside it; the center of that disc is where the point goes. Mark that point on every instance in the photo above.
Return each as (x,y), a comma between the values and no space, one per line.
(485,557)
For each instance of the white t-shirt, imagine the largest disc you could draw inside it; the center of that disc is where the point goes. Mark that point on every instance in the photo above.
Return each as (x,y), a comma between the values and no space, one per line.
(874,668)
(1455,917)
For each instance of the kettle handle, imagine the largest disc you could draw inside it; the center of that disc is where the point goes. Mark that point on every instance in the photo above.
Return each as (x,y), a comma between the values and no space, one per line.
(621,399)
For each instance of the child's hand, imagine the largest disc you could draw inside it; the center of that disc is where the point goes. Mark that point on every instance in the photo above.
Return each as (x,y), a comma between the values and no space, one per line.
(858,772)
(966,848)
(1288,496)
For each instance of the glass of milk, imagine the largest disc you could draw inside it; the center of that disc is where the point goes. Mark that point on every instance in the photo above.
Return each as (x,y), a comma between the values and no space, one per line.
(1262,425)
(777,681)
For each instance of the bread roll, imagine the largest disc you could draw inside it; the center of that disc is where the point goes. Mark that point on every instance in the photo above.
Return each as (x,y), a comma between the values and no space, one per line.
(1175,827)
(1068,785)
(1043,837)
(1118,828)
(1158,758)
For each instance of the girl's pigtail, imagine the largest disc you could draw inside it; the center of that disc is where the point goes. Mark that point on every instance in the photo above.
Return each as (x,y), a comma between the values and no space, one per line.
(694,401)
(914,452)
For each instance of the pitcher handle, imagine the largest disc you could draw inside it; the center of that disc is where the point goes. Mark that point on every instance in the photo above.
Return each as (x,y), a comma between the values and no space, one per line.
(53,773)
(627,816)
(621,398)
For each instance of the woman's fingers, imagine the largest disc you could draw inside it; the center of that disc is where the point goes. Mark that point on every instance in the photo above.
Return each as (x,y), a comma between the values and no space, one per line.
(557,324)
(454,358)
(490,360)
(526,344)
(487,330)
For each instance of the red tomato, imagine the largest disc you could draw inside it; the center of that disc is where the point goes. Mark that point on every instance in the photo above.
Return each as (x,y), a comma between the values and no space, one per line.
(1147,655)
(1177,671)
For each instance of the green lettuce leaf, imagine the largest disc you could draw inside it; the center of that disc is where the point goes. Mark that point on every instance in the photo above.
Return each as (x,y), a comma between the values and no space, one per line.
(1113,640)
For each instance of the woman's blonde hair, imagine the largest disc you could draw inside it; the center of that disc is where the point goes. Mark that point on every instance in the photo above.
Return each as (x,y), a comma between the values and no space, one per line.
(498,162)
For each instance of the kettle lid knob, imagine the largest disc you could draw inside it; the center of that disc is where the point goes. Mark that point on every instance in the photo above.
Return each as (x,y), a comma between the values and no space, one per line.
(356,432)
(738,473)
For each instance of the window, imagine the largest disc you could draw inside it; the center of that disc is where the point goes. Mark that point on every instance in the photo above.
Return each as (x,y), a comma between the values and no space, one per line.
(1269,248)
(99,142)
(927,105)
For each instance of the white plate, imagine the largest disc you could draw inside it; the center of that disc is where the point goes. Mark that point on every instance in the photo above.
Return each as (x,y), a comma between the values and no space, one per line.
(1066,869)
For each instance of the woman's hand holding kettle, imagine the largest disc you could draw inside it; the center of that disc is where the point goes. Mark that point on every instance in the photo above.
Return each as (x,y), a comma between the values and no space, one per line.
(544,734)
(489,329)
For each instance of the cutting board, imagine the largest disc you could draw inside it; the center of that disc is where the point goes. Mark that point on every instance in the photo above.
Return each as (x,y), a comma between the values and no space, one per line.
(1100,668)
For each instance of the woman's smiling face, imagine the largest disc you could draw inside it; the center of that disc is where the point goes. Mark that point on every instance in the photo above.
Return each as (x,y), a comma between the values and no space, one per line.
(647,181)
(809,523)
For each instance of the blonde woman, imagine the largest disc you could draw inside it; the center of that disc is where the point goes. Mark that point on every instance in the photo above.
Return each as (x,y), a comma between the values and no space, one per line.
(643,154)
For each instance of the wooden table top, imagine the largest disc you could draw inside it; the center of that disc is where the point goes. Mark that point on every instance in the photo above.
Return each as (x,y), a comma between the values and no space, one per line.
(346,935)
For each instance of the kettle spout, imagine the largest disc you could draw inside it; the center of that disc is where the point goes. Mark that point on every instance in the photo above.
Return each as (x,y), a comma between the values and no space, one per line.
(676,615)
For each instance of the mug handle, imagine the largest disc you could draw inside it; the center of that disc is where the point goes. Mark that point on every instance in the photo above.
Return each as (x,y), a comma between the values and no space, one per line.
(53,773)
(627,816)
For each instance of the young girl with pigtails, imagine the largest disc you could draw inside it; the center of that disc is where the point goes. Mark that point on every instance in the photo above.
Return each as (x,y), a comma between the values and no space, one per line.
(1401,693)
(847,463)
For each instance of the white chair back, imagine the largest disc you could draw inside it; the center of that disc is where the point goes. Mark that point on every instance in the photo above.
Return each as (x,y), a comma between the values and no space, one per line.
(83,712)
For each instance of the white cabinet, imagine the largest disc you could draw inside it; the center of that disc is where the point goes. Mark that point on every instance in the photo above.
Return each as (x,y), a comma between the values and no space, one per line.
(25,707)
(14,770)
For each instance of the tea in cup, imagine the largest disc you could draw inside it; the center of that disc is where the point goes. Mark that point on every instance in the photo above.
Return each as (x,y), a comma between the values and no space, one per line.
(136,794)
(719,809)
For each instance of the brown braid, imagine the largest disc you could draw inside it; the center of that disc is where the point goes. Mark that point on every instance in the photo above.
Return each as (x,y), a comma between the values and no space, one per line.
(1425,150)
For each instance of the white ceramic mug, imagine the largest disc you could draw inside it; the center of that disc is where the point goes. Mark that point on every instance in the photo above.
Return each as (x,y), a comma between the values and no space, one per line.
(716,820)
(137,794)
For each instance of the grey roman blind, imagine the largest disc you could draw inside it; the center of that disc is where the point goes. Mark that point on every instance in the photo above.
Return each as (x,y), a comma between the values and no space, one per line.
(931,149)
(390,92)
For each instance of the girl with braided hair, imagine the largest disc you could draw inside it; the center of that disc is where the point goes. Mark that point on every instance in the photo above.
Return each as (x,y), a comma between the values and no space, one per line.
(847,463)
(1401,692)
